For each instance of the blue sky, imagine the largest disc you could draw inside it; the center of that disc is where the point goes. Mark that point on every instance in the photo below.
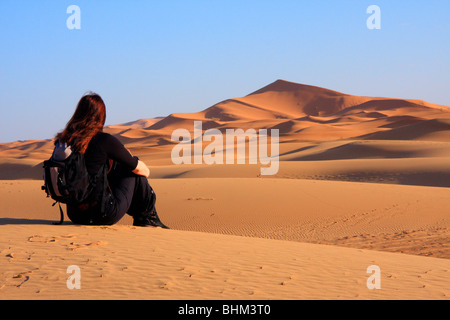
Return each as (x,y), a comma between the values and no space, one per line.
(156,57)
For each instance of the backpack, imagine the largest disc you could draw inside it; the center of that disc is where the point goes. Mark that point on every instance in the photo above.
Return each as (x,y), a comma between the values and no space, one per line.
(67,180)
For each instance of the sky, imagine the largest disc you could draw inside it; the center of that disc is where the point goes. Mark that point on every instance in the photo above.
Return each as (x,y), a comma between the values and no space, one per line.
(156,57)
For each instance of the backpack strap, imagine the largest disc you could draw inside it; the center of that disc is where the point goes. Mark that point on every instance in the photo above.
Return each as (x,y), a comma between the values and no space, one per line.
(61,221)
(102,171)
(105,185)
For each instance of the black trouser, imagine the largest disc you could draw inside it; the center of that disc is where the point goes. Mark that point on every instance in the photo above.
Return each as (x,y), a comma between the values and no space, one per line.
(127,193)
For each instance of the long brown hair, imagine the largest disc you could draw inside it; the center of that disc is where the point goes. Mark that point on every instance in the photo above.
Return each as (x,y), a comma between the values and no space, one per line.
(88,120)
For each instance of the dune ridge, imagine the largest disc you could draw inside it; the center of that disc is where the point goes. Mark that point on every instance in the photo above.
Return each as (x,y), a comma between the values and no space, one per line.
(300,112)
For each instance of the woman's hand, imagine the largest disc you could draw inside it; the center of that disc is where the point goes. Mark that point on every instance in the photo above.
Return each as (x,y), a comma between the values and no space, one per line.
(142,169)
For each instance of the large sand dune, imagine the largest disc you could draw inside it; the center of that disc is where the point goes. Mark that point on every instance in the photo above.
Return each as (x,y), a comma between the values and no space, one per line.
(362,181)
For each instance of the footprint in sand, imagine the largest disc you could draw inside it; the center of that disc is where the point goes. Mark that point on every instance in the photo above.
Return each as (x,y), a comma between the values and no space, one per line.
(77,246)
(51,239)
(20,256)
(19,279)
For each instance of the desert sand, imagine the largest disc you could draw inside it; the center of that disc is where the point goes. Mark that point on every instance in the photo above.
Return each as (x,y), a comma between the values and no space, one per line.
(362,181)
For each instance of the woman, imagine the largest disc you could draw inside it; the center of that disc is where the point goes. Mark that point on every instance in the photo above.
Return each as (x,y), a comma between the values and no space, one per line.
(127,189)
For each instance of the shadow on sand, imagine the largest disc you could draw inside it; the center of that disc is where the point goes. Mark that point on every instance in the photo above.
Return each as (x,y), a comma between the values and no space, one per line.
(15,221)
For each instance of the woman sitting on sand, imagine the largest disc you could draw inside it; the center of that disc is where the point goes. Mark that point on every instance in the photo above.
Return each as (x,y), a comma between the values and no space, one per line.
(128,190)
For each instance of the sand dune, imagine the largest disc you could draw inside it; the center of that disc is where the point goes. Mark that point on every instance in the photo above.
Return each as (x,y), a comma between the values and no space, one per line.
(372,149)
(430,130)
(138,124)
(362,181)
(301,113)
(296,100)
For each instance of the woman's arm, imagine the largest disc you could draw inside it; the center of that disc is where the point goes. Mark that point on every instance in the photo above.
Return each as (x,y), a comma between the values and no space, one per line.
(142,169)
(116,150)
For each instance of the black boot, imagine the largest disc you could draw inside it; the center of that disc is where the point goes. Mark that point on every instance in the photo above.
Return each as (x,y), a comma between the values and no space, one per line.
(152,220)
